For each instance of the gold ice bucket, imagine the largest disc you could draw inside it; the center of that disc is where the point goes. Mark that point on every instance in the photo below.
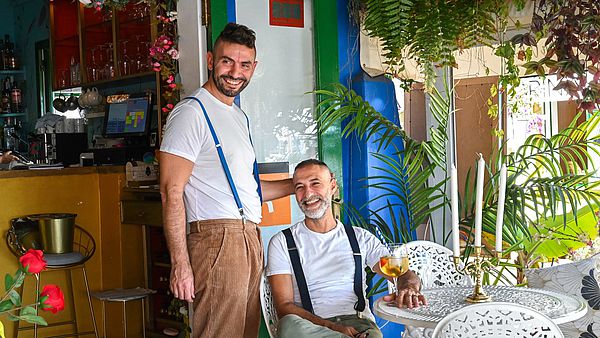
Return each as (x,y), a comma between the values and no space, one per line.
(57,231)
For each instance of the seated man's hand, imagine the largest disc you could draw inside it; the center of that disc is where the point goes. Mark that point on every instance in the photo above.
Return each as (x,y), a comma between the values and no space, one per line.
(347,330)
(409,298)
(409,295)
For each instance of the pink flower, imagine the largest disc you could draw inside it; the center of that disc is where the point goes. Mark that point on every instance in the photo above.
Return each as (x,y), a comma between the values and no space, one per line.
(174,53)
(173,85)
(170,106)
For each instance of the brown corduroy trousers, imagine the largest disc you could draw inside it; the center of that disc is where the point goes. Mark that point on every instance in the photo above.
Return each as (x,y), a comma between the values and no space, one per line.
(227,260)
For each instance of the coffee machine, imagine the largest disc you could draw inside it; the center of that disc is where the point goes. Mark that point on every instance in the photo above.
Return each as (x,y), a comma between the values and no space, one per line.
(64,148)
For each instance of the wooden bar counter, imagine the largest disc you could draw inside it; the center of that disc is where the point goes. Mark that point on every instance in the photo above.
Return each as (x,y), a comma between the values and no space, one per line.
(94,194)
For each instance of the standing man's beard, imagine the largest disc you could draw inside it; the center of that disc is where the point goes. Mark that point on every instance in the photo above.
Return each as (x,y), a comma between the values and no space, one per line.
(315,213)
(221,86)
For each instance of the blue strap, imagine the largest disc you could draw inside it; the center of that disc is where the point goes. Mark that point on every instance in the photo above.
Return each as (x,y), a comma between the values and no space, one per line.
(298,272)
(358,290)
(223,161)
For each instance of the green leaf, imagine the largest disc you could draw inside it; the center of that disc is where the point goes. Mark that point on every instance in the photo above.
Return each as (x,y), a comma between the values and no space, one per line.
(8,282)
(28,310)
(34,319)
(5,305)
(14,297)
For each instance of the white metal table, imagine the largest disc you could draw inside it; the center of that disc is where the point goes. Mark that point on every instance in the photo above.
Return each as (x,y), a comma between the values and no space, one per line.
(561,308)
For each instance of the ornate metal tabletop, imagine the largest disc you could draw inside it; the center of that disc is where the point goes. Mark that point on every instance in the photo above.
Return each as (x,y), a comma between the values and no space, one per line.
(561,308)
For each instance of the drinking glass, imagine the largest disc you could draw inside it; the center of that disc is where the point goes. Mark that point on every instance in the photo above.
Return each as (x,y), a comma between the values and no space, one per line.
(395,263)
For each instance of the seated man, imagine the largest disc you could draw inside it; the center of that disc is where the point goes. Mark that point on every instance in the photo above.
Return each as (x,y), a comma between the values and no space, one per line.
(318,296)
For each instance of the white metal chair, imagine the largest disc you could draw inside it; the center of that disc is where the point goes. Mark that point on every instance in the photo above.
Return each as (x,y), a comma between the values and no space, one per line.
(496,319)
(268,308)
(434,265)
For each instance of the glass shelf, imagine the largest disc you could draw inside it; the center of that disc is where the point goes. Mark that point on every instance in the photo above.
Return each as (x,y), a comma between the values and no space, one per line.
(12,72)
(2,115)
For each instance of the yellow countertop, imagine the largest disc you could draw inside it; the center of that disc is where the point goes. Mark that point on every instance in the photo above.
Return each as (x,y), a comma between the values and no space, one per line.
(113,169)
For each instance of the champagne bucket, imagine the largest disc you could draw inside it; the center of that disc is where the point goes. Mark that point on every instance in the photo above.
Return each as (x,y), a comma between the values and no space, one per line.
(57,231)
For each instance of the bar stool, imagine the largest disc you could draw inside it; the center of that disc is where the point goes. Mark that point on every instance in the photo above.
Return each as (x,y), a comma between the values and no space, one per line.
(84,247)
(124,296)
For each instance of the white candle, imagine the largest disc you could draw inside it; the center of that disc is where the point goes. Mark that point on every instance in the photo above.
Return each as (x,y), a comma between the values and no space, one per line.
(454,211)
(500,213)
(479,199)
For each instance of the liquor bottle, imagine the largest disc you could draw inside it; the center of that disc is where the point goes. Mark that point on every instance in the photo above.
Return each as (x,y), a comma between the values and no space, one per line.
(16,98)
(10,59)
(8,131)
(2,67)
(5,100)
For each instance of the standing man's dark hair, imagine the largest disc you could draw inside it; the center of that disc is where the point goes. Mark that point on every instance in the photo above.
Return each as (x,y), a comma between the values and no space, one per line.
(236,33)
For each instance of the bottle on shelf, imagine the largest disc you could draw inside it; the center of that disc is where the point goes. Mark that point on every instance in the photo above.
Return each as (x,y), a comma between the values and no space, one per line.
(16,99)
(8,131)
(5,100)
(10,60)
(2,66)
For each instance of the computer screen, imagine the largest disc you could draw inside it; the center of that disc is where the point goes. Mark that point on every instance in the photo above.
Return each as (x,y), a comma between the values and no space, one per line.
(128,118)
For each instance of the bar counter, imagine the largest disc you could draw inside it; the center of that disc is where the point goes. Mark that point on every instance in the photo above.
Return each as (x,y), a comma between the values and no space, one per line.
(94,194)
(113,169)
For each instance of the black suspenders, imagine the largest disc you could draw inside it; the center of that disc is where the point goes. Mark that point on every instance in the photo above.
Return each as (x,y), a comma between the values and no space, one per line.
(301,280)
(298,272)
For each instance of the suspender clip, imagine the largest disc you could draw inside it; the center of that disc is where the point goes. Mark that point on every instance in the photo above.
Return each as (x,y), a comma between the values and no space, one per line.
(244,218)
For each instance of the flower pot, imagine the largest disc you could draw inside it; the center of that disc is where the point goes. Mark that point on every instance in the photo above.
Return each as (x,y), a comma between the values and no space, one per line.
(57,231)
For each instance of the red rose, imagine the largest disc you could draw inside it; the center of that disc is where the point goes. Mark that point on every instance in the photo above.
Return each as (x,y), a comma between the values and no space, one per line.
(34,259)
(55,301)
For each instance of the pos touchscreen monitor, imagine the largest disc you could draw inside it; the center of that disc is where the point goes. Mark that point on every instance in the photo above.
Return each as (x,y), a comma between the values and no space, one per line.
(128,118)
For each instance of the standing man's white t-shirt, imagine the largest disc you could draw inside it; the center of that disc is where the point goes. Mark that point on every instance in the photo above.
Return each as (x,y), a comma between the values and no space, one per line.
(328,264)
(208,195)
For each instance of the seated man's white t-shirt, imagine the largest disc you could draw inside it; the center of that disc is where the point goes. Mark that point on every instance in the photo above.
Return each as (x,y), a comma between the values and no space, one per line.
(328,265)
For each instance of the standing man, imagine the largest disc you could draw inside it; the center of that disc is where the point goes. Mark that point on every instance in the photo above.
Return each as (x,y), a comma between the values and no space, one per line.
(209,175)
(320,292)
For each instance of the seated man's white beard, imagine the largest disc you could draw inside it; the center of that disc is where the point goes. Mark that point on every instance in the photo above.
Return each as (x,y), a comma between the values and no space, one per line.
(317,213)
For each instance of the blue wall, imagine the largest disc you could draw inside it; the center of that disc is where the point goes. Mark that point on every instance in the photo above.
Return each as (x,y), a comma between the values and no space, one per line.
(357,160)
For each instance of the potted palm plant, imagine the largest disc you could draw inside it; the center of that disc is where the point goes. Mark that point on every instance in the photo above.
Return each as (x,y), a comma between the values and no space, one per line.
(548,208)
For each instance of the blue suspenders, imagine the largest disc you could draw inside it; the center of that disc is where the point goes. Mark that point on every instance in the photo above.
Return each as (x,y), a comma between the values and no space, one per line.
(236,196)
(301,280)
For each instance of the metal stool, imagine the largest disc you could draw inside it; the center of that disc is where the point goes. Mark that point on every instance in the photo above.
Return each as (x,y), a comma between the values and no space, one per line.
(84,247)
(123,296)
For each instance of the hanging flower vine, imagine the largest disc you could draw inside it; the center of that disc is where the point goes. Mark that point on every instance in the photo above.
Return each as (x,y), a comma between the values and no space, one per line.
(164,54)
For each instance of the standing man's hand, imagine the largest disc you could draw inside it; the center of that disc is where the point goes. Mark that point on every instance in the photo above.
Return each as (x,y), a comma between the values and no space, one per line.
(182,282)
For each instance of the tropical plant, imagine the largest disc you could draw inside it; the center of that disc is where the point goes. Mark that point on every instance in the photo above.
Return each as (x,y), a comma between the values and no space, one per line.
(429,32)
(572,29)
(407,177)
(543,197)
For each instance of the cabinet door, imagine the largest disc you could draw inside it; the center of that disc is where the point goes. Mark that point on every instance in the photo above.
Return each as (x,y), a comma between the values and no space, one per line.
(98,42)
(65,41)
(133,38)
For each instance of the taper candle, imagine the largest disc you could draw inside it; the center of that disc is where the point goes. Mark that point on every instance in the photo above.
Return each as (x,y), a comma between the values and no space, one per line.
(454,211)
(479,199)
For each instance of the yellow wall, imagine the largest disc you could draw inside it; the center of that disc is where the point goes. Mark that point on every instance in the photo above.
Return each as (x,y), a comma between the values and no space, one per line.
(118,261)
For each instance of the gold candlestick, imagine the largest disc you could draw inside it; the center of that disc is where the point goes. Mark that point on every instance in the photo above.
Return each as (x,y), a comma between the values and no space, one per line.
(476,268)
